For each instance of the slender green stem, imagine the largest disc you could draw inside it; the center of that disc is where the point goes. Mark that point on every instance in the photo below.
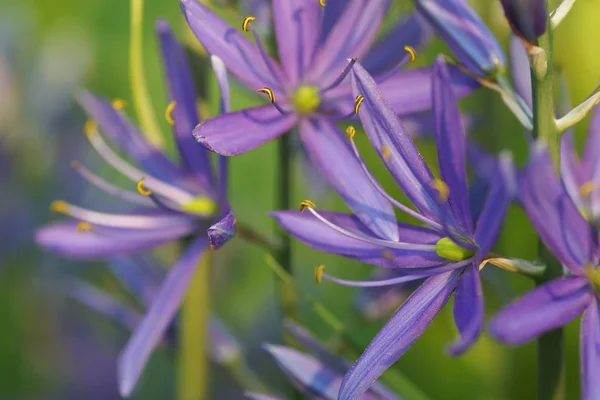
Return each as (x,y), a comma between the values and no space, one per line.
(193,355)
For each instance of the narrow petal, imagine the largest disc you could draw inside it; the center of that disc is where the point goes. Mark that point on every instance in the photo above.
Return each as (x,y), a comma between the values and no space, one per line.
(146,336)
(331,152)
(546,307)
(451,140)
(297,30)
(64,239)
(334,9)
(571,172)
(223,231)
(238,132)
(312,232)
(591,152)
(183,94)
(400,332)
(468,310)
(527,18)
(590,352)
(520,69)
(241,57)
(559,224)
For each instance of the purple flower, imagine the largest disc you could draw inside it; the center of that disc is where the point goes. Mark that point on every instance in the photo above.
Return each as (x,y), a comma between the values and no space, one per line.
(447,251)
(564,214)
(527,18)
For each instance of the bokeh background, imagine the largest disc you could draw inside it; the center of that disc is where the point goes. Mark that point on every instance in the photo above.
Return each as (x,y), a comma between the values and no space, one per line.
(52,348)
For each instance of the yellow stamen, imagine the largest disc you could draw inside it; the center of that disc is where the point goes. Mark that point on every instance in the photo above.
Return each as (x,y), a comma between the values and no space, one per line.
(322,3)
(386,152)
(169,113)
(413,54)
(357,103)
(442,188)
(350,132)
(141,189)
(319,273)
(84,227)
(268,92)
(306,203)
(586,189)
(90,127)
(119,104)
(59,206)
(246,23)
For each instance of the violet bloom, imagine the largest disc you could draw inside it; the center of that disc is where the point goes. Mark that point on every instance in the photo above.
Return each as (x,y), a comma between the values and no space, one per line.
(565,214)
(175,201)
(527,18)
(448,249)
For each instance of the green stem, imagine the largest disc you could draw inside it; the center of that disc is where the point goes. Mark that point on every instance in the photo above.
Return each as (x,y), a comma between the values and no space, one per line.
(193,356)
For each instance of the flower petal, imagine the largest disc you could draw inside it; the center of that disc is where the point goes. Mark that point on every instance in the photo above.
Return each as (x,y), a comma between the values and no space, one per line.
(241,57)
(400,332)
(146,336)
(223,231)
(331,152)
(468,310)
(520,69)
(241,131)
(527,18)
(590,352)
(591,152)
(312,232)
(183,94)
(546,307)
(571,173)
(64,239)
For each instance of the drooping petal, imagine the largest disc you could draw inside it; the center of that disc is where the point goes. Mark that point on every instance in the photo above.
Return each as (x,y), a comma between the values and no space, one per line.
(241,57)
(222,231)
(135,355)
(468,310)
(331,152)
(520,69)
(559,224)
(297,30)
(184,114)
(451,140)
(400,332)
(312,232)
(238,132)
(64,239)
(546,307)
(527,18)
(387,52)
(590,352)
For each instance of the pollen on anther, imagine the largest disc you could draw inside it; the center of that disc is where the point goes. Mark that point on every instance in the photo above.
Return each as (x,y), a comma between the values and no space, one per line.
(268,92)
(246,23)
(413,54)
(141,189)
(59,206)
(357,103)
(169,113)
(84,227)
(306,203)
(319,273)
(322,3)
(386,152)
(350,131)
(442,188)
(90,127)
(119,104)
(586,189)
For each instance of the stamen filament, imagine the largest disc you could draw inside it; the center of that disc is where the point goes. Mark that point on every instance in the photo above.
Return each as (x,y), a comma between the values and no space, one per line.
(342,76)
(271,95)
(411,55)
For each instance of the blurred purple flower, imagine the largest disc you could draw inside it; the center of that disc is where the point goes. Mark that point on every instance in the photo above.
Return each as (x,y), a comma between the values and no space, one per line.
(527,18)
(448,250)
(571,233)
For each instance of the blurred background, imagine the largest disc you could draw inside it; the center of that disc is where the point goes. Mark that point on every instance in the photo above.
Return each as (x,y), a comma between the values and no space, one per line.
(52,348)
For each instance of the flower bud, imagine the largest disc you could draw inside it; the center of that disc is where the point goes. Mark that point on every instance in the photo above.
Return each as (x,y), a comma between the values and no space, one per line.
(527,18)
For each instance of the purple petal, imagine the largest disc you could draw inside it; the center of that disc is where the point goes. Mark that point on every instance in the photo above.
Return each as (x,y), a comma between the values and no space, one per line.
(557,221)
(400,332)
(527,18)
(468,310)
(591,152)
(224,347)
(297,29)
(223,231)
(333,11)
(185,116)
(146,336)
(451,139)
(331,152)
(590,352)
(312,232)
(241,57)
(546,307)
(64,239)
(238,132)
(571,173)
(521,71)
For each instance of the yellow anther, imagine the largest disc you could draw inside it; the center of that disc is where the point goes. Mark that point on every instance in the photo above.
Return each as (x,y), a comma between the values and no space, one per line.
(350,131)
(268,92)
(169,113)
(442,188)
(413,54)
(84,227)
(90,127)
(59,206)
(386,152)
(119,104)
(246,23)
(357,103)
(387,255)
(322,3)
(141,189)
(319,273)
(306,203)
(586,189)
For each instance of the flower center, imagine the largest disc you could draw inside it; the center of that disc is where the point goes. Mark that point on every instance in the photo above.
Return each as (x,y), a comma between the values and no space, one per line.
(593,275)
(448,249)
(200,205)
(306,99)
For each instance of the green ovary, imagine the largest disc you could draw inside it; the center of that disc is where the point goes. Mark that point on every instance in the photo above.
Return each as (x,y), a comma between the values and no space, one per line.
(449,250)
(200,205)
(306,99)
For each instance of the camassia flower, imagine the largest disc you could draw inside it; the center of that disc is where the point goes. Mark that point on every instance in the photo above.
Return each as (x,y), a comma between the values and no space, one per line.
(448,250)
(567,222)
(175,201)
